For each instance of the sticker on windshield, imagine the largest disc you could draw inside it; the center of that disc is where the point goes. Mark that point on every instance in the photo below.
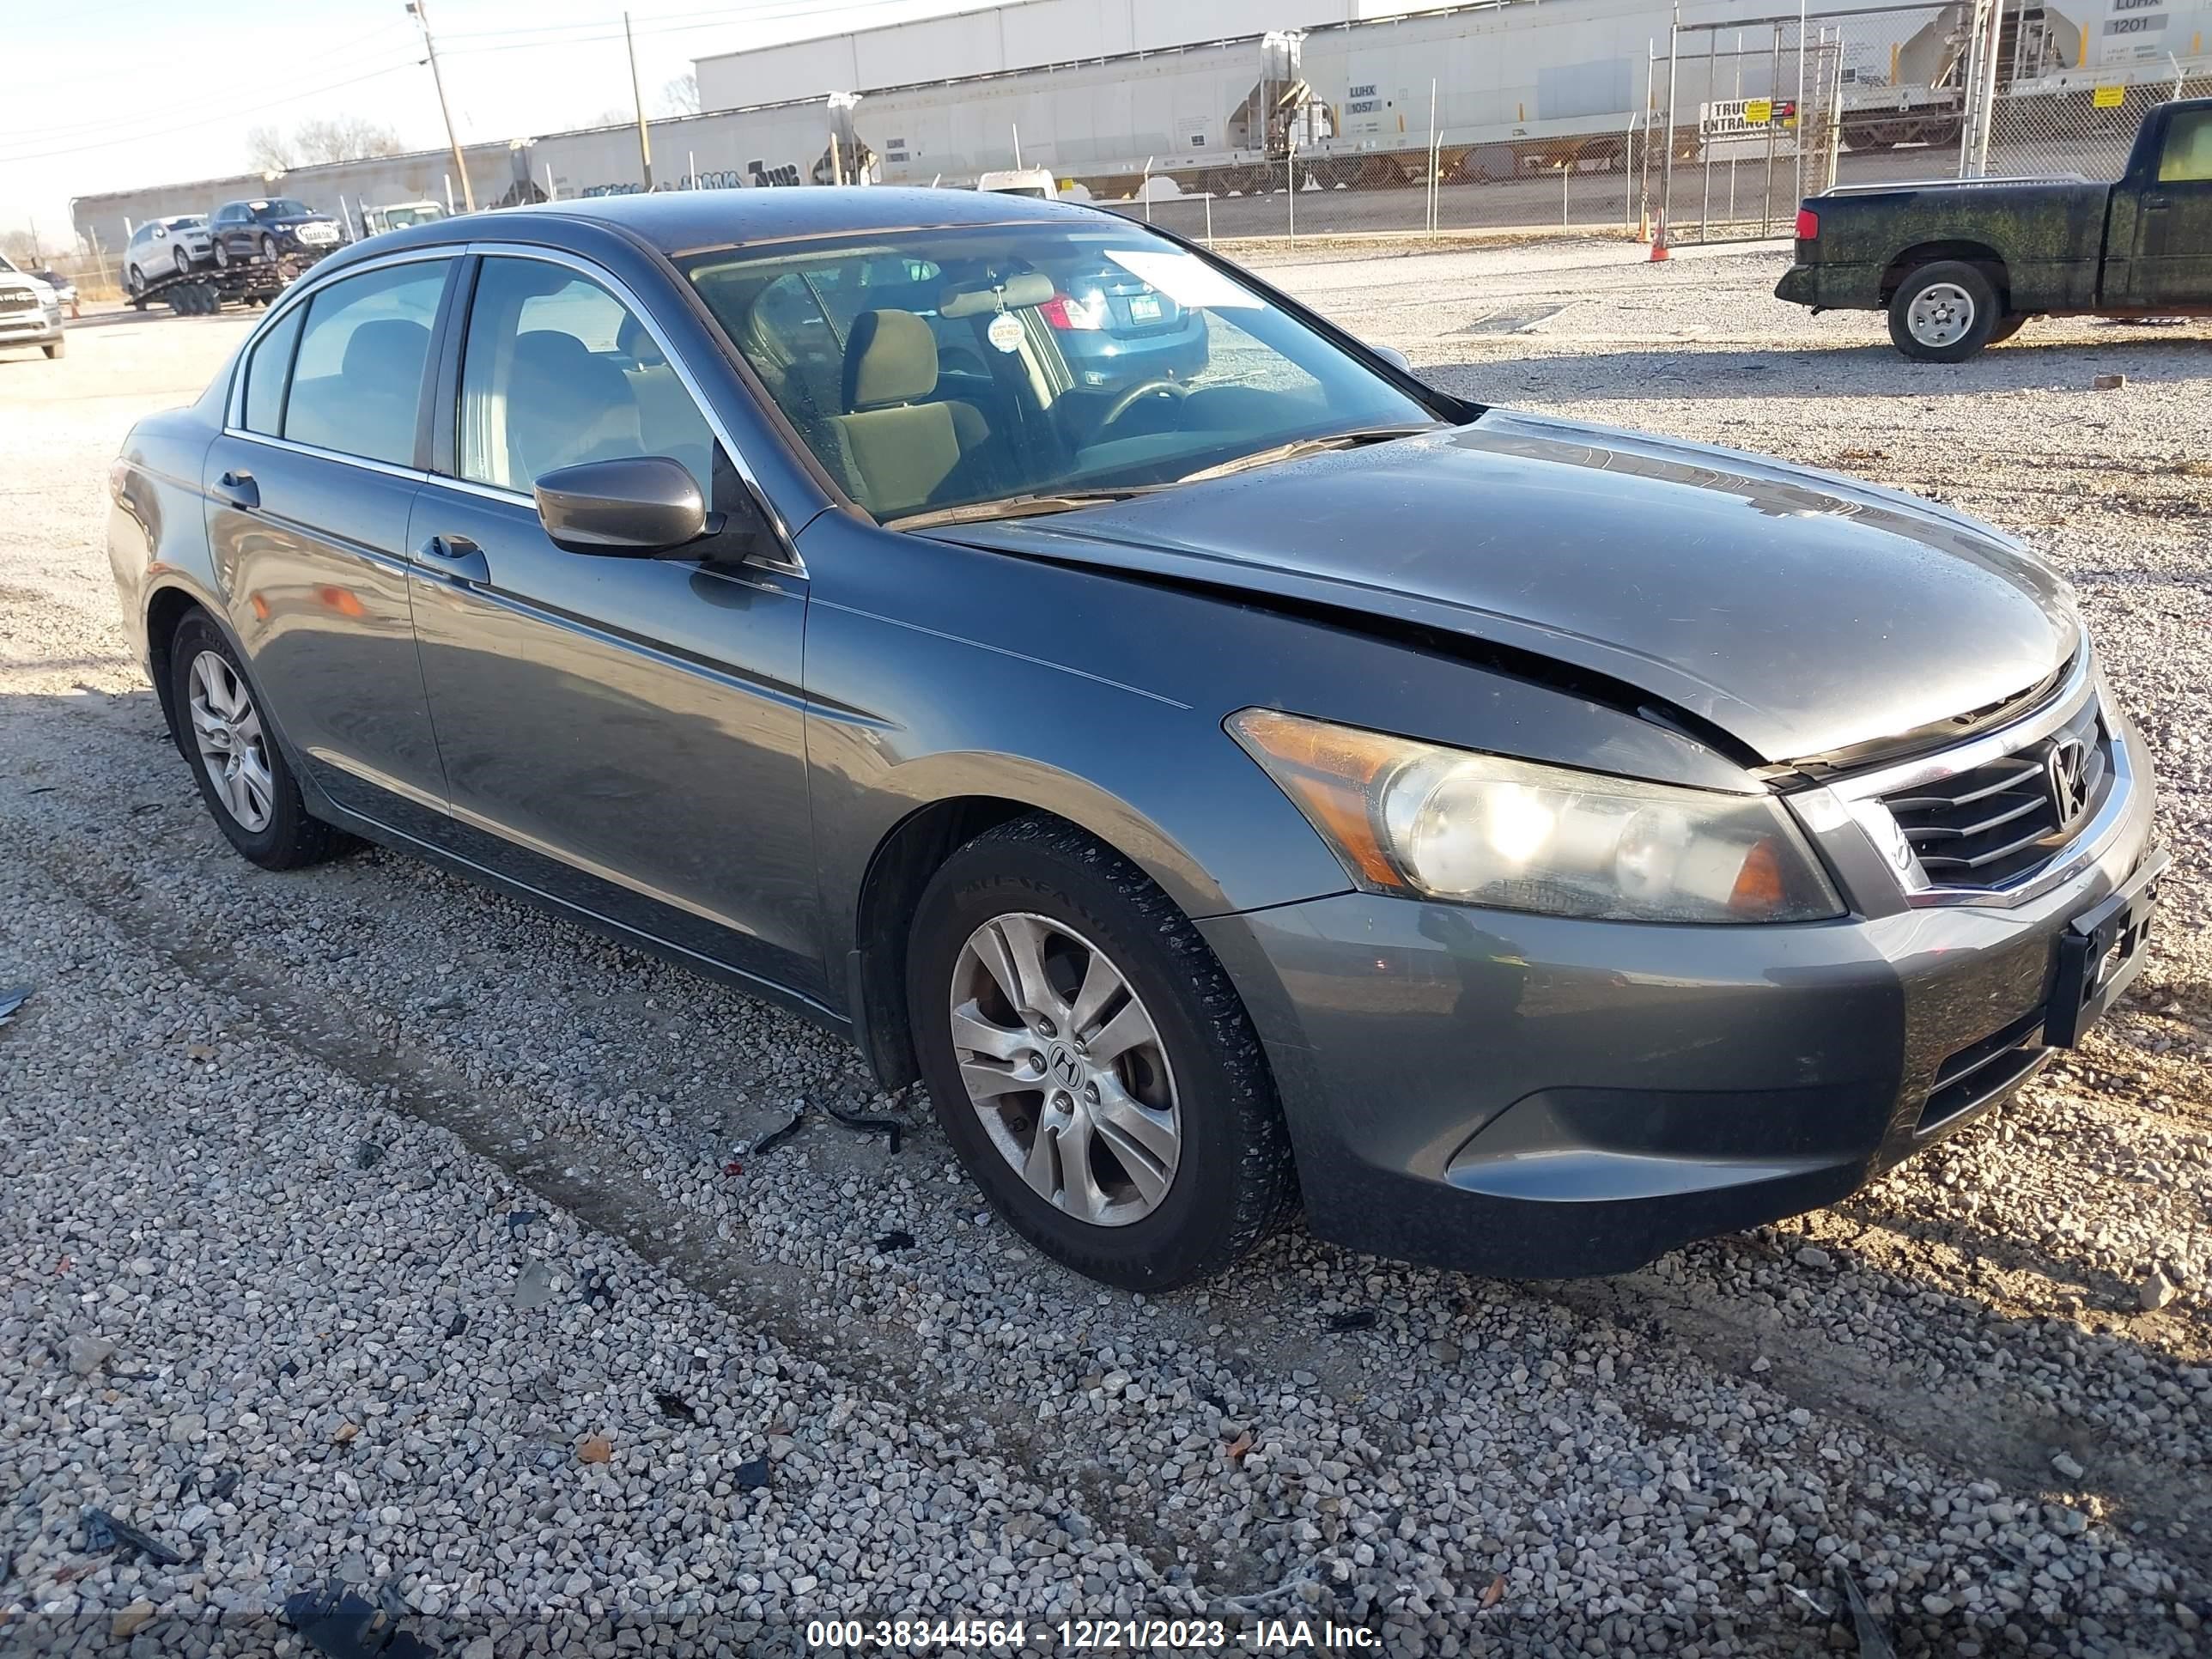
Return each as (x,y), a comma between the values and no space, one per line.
(1005,332)
(1185,278)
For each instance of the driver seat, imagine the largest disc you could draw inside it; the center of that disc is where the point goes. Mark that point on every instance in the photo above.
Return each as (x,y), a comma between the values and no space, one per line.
(896,450)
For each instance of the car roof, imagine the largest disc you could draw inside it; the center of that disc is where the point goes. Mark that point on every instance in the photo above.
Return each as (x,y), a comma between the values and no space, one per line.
(679,221)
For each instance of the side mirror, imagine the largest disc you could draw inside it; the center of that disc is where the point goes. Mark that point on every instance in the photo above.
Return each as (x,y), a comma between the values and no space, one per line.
(639,505)
(1393,357)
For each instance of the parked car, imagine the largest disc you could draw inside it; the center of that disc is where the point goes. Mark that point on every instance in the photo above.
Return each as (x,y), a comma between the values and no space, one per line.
(1527,845)
(271,229)
(64,289)
(398,215)
(1035,183)
(174,246)
(30,312)
(1963,265)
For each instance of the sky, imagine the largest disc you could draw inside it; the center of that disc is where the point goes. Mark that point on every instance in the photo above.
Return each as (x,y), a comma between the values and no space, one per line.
(107,94)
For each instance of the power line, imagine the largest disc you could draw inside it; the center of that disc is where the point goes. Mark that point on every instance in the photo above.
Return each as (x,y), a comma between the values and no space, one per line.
(140,135)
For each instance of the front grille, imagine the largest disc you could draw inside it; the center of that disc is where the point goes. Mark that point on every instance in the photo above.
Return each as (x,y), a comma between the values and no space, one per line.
(2001,821)
(18,298)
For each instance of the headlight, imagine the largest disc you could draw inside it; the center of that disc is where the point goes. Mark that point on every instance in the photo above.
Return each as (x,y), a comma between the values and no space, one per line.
(1445,823)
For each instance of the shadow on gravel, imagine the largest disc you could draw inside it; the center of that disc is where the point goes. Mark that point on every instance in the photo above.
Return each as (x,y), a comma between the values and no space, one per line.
(1691,370)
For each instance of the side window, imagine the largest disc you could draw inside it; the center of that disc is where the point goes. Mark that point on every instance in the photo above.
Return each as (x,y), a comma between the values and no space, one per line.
(557,371)
(267,371)
(357,381)
(2187,158)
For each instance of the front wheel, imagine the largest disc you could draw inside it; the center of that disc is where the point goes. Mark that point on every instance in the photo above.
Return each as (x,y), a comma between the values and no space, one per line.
(56,348)
(1944,313)
(222,256)
(1090,1061)
(184,263)
(269,248)
(242,773)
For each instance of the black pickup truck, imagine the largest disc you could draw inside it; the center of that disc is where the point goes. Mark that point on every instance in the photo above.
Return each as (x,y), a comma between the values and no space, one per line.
(1962,264)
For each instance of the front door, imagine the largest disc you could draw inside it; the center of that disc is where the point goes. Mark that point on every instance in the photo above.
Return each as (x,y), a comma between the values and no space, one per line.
(2172,254)
(628,730)
(309,489)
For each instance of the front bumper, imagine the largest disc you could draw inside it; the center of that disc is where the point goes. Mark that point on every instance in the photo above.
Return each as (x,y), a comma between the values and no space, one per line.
(40,325)
(1546,1097)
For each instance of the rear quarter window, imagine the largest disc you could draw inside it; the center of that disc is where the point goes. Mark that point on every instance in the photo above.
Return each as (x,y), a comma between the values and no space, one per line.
(2187,158)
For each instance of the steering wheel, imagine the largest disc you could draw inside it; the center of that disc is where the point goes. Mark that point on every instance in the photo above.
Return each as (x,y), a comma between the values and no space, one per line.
(1122,405)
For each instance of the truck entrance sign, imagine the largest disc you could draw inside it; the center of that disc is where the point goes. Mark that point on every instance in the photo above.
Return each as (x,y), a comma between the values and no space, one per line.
(1738,117)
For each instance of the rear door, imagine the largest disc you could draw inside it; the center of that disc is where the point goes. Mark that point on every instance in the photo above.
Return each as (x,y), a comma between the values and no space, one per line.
(625,733)
(309,489)
(2172,253)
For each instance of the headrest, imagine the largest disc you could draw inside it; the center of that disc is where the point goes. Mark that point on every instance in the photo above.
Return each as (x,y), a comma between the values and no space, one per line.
(386,351)
(632,340)
(892,359)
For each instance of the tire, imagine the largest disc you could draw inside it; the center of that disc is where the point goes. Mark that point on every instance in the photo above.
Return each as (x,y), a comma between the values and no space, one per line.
(222,254)
(285,836)
(1960,313)
(58,348)
(184,263)
(2006,328)
(269,249)
(1232,1182)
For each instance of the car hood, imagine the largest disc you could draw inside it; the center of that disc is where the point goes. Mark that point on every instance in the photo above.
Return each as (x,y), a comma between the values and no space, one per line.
(1800,612)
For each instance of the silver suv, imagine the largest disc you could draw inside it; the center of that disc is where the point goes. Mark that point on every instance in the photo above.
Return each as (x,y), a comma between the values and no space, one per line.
(166,247)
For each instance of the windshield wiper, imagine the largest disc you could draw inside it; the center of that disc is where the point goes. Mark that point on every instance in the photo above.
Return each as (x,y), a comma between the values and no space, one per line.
(1299,448)
(1018,507)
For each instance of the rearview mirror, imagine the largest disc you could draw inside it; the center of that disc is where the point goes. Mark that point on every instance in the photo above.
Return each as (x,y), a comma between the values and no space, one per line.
(642,504)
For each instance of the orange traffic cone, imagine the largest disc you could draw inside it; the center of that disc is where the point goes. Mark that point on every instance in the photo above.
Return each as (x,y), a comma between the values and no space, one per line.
(1659,239)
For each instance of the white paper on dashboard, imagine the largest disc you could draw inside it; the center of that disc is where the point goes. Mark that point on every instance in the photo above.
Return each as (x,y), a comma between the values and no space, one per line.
(1187,280)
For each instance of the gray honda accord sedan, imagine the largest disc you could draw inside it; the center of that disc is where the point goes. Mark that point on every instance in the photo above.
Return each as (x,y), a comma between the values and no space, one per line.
(1271,783)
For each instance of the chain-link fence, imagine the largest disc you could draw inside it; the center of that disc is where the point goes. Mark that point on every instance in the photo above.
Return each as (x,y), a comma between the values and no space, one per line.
(1591,182)
(2072,123)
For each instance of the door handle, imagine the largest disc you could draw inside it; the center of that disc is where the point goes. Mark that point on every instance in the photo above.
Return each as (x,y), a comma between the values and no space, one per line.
(237,489)
(456,559)
(2157,203)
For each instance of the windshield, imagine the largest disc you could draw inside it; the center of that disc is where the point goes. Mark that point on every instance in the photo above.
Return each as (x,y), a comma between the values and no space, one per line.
(284,208)
(191,223)
(932,369)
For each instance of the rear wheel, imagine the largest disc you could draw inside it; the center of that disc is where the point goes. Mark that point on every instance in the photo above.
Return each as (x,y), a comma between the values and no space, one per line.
(242,773)
(1090,1062)
(1943,313)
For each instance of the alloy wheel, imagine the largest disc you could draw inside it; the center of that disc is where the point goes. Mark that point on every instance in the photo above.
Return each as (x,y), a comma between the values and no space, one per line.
(1065,1067)
(232,747)
(1941,314)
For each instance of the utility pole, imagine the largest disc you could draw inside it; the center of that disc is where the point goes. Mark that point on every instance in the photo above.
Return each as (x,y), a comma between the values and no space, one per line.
(644,139)
(415,10)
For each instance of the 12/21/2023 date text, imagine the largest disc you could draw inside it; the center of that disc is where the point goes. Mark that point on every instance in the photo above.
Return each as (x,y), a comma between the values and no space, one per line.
(1088,1635)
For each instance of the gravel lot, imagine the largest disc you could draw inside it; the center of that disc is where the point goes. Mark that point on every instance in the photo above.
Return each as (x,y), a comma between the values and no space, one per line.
(359,1224)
